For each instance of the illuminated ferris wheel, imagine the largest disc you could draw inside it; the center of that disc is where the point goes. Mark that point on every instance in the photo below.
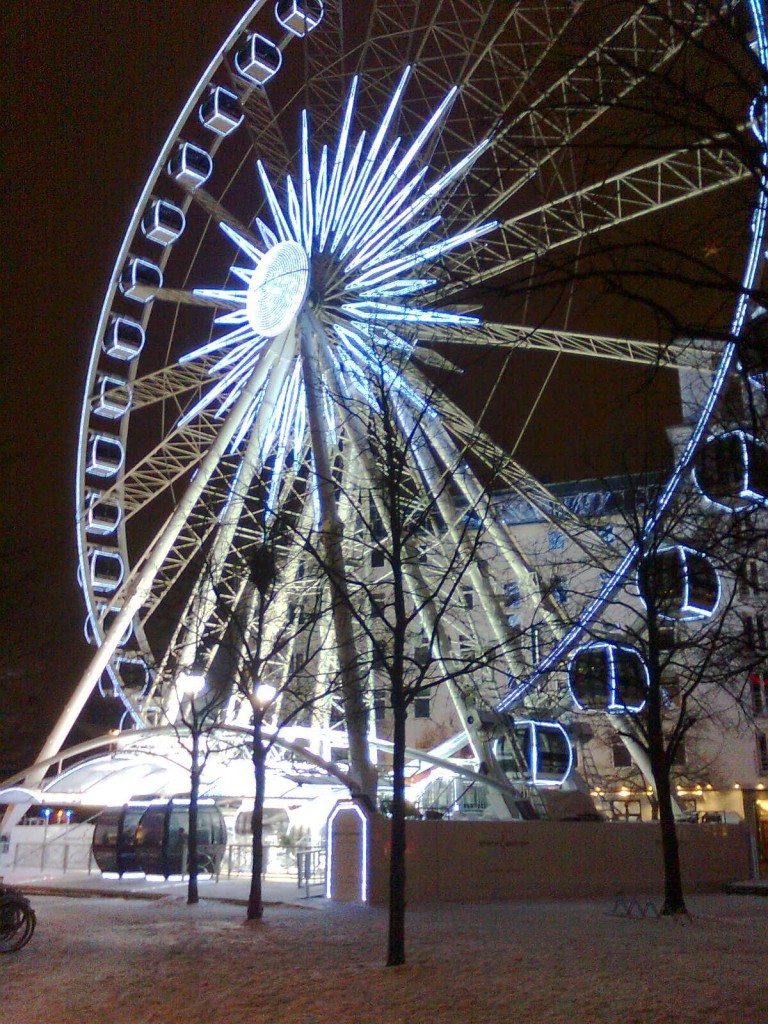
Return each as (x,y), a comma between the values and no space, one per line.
(421,193)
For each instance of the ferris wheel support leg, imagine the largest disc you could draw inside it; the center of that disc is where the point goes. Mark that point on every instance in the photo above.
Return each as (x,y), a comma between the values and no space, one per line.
(480,584)
(331,529)
(204,603)
(137,587)
(503,802)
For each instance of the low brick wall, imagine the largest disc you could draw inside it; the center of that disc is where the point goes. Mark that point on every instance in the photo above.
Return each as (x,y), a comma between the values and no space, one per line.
(467,861)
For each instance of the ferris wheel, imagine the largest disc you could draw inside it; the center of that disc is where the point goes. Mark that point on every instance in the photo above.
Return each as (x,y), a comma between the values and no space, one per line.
(427,191)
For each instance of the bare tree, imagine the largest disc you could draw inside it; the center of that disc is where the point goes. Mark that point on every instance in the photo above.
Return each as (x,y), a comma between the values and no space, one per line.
(275,636)
(418,539)
(669,656)
(194,720)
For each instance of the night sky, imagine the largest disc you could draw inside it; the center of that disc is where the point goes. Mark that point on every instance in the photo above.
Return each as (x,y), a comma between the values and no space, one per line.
(88,112)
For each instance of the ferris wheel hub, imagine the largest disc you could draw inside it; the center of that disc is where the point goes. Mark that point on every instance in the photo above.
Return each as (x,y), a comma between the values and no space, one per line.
(278,289)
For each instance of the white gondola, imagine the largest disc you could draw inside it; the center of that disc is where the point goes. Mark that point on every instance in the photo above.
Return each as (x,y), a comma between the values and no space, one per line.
(138,276)
(220,111)
(546,748)
(258,60)
(113,396)
(299,17)
(106,570)
(190,166)
(106,616)
(102,514)
(731,470)
(162,222)
(133,673)
(104,456)
(752,347)
(679,583)
(608,677)
(123,338)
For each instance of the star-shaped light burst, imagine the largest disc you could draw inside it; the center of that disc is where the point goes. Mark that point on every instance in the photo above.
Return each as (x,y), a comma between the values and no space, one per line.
(349,242)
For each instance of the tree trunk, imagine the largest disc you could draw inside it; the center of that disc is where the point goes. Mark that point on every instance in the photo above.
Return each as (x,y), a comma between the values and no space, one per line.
(674,903)
(194,794)
(255,903)
(396,944)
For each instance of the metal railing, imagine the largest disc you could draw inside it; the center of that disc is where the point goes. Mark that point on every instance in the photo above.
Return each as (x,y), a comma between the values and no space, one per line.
(58,855)
(310,871)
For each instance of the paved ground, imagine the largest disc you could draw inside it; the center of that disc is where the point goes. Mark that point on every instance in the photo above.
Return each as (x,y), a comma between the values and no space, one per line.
(139,961)
(276,888)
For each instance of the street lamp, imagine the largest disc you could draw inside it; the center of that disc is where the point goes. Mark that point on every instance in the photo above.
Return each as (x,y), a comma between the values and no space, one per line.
(264,693)
(190,681)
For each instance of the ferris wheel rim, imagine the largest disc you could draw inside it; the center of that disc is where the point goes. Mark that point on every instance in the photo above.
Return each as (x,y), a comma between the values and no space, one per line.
(173,137)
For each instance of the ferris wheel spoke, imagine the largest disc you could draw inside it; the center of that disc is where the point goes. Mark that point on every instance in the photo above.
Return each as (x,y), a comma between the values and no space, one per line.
(192,538)
(180,296)
(628,54)
(324,70)
(181,450)
(231,515)
(436,476)
(494,72)
(261,120)
(508,473)
(429,467)
(657,185)
(176,456)
(674,355)
(216,209)
(170,382)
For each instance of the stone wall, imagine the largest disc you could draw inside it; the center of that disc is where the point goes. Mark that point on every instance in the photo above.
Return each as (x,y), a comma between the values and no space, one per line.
(467,861)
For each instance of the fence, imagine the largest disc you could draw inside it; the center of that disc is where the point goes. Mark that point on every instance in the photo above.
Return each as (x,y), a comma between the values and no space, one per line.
(58,855)
(306,866)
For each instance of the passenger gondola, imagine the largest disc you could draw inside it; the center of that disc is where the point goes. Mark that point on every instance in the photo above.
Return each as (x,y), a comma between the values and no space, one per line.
(679,583)
(608,677)
(299,16)
(752,346)
(162,838)
(220,111)
(114,837)
(190,165)
(258,60)
(731,470)
(546,750)
(153,837)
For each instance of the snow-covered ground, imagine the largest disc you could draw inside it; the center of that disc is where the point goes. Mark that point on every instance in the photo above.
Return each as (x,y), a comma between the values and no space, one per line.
(113,961)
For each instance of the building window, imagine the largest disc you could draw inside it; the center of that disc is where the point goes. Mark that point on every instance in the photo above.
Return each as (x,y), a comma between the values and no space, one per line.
(468,598)
(555,540)
(621,756)
(754,632)
(759,687)
(749,579)
(421,655)
(466,648)
(606,534)
(377,558)
(379,710)
(421,707)
(512,594)
(559,589)
(762,753)
(666,638)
